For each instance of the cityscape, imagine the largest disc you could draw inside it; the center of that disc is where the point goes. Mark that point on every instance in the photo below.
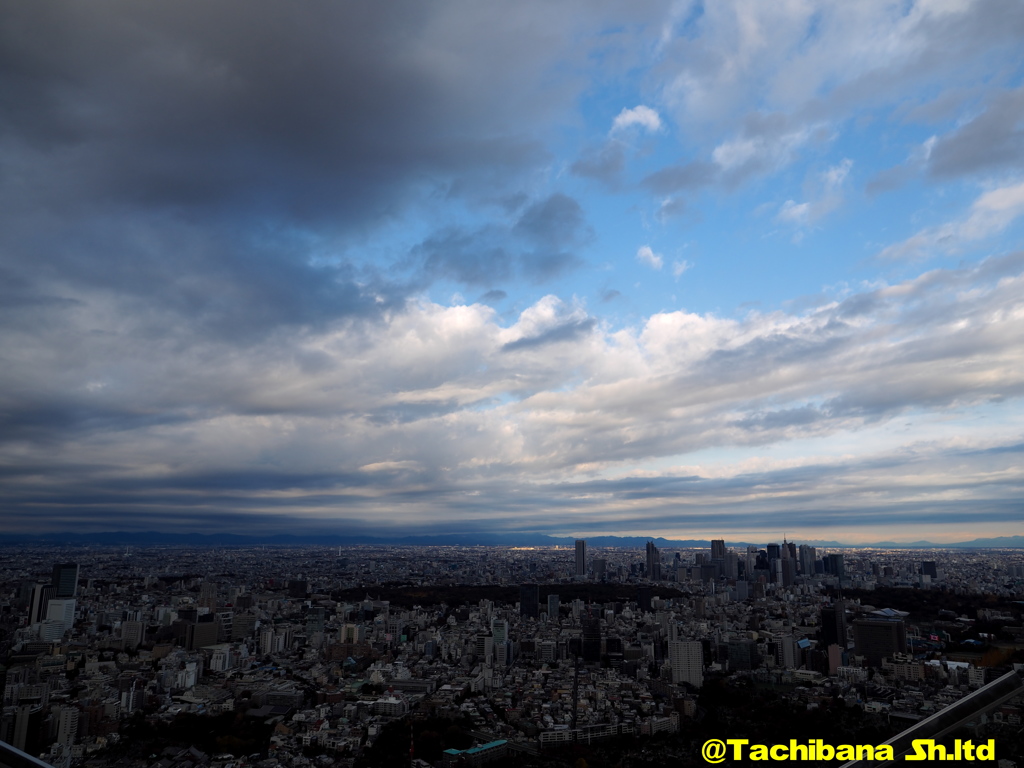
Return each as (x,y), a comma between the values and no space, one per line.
(184,657)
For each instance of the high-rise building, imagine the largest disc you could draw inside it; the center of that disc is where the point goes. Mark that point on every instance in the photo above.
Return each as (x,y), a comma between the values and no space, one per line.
(203,633)
(835,565)
(807,557)
(742,655)
(591,646)
(877,638)
(62,611)
(554,606)
(786,652)
(315,619)
(529,600)
(833,625)
(28,726)
(653,562)
(731,565)
(208,595)
(41,596)
(132,634)
(687,660)
(581,557)
(788,572)
(717,549)
(774,552)
(65,579)
(499,630)
(644,595)
(67,726)
(243,625)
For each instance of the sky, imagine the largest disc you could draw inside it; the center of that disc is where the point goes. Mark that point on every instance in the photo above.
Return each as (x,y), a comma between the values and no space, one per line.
(737,269)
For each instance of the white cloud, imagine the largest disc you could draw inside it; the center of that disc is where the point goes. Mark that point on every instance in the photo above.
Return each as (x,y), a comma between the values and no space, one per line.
(834,177)
(769,76)
(801,55)
(679,267)
(990,214)
(827,196)
(640,116)
(646,256)
(794,213)
(764,150)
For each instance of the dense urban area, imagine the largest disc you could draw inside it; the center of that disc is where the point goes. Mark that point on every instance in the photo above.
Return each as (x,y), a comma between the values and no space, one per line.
(175,657)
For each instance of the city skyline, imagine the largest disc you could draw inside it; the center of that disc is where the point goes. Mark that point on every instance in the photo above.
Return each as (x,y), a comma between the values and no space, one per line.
(509,648)
(669,270)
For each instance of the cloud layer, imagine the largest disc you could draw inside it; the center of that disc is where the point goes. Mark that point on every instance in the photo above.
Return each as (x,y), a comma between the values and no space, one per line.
(439,409)
(237,241)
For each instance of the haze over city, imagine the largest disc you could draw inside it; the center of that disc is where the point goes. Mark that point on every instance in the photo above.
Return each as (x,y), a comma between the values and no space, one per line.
(665,269)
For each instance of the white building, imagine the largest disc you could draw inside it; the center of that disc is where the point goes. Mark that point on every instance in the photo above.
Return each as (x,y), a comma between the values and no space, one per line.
(687,660)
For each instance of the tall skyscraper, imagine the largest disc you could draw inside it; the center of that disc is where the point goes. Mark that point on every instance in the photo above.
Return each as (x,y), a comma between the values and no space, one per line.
(529,600)
(807,557)
(653,562)
(833,625)
(788,571)
(65,579)
(731,565)
(717,549)
(835,565)
(554,606)
(644,594)
(41,596)
(581,557)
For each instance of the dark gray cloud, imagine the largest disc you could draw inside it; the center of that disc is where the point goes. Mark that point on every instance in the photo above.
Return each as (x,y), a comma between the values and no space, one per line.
(569,331)
(256,109)
(221,162)
(604,163)
(539,245)
(553,224)
(892,178)
(994,140)
(473,258)
(679,178)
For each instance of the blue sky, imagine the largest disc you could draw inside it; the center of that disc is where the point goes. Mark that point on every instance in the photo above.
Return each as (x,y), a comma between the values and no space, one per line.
(669,268)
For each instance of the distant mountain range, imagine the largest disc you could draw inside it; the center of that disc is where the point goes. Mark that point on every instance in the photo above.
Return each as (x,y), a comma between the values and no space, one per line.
(153,538)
